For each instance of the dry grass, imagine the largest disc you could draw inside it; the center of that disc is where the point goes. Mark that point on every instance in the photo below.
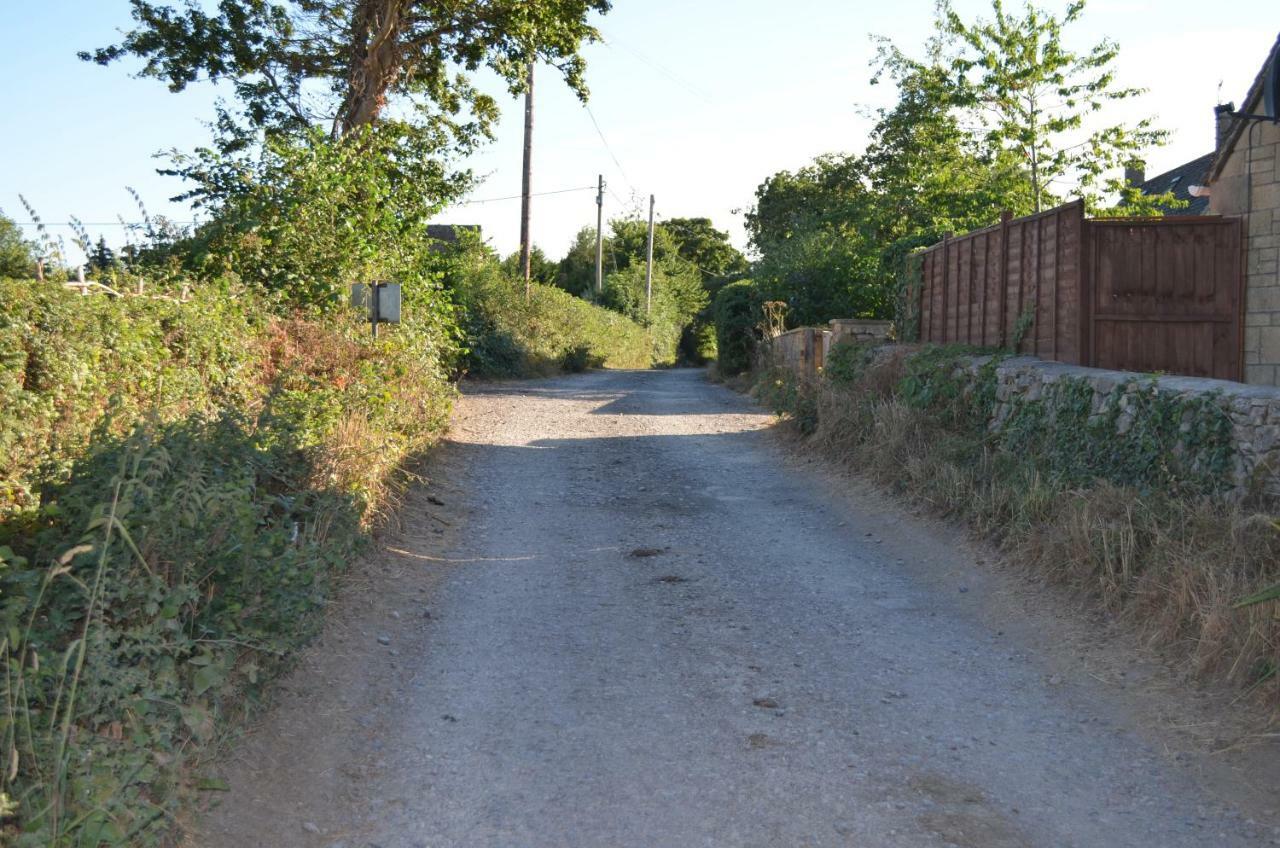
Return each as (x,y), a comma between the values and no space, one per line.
(1172,568)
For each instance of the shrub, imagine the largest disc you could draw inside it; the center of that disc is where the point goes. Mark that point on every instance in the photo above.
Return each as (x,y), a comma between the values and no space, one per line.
(677,298)
(188,479)
(737,317)
(509,335)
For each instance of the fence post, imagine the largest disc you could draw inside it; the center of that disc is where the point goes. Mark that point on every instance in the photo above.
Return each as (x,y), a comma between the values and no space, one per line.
(808,364)
(946,282)
(1005,217)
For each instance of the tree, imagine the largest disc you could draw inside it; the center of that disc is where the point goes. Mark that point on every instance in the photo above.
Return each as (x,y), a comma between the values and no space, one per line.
(576,272)
(343,63)
(706,248)
(812,229)
(101,257)
(542,270)
(17,254)
(1013,79)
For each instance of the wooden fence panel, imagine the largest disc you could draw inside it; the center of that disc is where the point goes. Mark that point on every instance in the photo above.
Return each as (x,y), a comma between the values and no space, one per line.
(1021,277)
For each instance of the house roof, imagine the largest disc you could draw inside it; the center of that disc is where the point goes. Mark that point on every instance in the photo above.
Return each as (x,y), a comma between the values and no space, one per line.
(1251,102)
(1179,180)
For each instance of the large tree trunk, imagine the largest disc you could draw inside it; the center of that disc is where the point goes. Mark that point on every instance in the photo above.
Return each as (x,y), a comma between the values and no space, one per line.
(376,61)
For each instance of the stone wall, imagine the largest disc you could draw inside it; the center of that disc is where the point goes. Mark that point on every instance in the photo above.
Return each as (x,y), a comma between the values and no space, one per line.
(1249,185)
(1253,411)
(860,330)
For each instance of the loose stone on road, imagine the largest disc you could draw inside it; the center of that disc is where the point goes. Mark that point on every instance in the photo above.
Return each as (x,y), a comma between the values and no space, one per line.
(648,624)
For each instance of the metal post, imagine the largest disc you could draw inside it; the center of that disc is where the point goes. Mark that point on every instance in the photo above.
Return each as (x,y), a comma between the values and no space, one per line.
(600,236)
(526,246)
(375,308)
(648,269)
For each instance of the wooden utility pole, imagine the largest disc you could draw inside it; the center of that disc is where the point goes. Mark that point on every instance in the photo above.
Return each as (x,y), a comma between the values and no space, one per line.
(526,246)
(648,268)
(600,236)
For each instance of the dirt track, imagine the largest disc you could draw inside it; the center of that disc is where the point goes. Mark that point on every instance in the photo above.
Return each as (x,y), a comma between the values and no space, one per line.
(621,615)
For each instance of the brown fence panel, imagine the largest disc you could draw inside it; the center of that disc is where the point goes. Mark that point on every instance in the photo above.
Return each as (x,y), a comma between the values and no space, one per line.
(1165,295)
(1018,279)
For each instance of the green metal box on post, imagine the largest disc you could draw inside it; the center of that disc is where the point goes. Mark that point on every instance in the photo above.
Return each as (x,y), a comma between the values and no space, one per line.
(380,301)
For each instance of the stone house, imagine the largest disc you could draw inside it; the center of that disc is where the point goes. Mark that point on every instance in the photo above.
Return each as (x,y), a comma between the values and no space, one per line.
(1244,180)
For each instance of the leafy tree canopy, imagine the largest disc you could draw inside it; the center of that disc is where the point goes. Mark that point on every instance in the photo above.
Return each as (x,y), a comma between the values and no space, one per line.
(542,269)
(708,249)
(343,64)
(17,254)
(1012,78)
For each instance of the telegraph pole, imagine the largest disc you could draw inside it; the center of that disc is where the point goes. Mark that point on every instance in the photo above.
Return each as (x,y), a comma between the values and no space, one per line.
(526,246)
(648,270)
(600,236)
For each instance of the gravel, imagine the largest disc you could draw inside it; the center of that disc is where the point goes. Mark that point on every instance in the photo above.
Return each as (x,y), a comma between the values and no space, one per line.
(654,629)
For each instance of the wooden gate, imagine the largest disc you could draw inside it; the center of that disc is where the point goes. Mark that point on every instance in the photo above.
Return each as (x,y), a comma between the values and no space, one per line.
(1165,294)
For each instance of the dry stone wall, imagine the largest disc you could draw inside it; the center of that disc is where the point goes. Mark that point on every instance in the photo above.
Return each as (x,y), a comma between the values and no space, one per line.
(1246,418)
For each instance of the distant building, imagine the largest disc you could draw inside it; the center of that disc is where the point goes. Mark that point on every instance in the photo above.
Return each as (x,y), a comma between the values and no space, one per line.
(1180,181)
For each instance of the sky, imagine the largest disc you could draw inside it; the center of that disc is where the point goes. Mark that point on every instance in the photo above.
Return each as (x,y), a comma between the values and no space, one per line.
(695,102)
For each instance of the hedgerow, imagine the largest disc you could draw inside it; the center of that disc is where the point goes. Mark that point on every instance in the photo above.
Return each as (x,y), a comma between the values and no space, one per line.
(187,479)
(510,335)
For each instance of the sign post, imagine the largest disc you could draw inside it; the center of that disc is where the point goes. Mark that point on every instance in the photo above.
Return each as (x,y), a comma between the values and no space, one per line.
(381,302)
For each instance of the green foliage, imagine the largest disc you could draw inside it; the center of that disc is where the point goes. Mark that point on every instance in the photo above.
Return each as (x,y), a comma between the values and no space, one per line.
(737,322)
(941,380)
(509,335)
(576,272)
(1149,440)
(17,254)
(339,64)
(541,269)
(306,218)
(815,253)
(781,391)
(709,250)
(187,478)
(847,362)
(1014,78)
(677,298)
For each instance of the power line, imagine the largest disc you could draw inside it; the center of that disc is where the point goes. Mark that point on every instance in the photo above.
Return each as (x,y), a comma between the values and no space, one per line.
(519,196)
(610,41)
(609,149)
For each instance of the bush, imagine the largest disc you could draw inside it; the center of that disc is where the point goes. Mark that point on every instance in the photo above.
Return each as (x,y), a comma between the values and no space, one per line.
(737,317)
(509,335)
(678,296)
(188,479)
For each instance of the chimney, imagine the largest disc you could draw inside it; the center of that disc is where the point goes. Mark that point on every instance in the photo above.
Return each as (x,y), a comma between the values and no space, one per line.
(1223,117)
(1134,173)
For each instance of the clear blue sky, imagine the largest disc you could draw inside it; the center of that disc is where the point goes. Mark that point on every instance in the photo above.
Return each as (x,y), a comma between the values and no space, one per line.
(699,102)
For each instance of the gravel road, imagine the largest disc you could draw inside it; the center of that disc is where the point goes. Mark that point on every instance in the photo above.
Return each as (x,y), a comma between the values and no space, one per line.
(624,614)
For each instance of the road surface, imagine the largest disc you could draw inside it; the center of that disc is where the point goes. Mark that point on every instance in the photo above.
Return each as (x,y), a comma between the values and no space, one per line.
(621,613)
